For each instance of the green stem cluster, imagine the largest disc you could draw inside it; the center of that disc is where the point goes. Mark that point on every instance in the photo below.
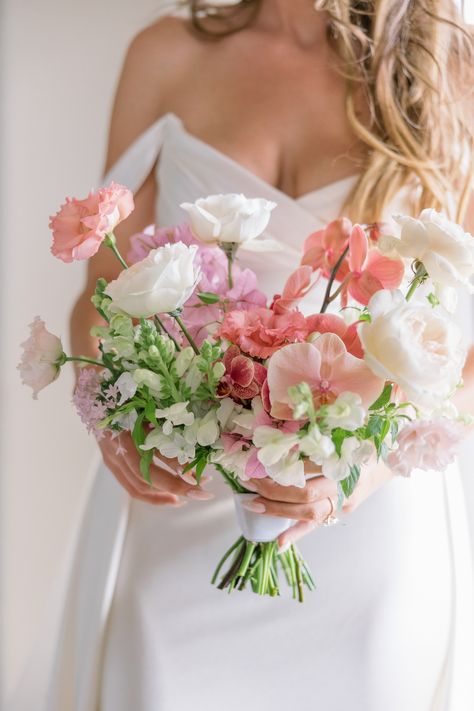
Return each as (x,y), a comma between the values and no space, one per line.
(257,565)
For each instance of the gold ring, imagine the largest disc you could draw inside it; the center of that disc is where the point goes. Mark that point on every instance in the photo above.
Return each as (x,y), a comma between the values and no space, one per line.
(330,520)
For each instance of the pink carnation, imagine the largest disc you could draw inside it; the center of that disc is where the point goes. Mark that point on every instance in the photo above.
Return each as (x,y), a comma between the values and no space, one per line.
(42,354)
(86,399)
(428,445)
(80,226)
(260,332)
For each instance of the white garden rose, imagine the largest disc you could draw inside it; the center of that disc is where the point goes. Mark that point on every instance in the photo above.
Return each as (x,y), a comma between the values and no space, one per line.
(228,218)
(416,346)
(160,283)
(446,251)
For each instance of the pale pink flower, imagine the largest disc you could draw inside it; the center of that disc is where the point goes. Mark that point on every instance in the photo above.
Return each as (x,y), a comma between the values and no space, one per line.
(42,355)
(260,332)
(323,248)
(370,271)
(330,323)
(80,226)
(86,396)
(142,243)
(243,377)
(328,369)
(428,445)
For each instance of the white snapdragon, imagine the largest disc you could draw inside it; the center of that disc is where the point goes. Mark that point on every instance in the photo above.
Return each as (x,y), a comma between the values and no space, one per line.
(175,415)
(203,431)
(183,360)
(143,376)
(353,453)
(346,411)
(316,446)
(172,445)
(127,387)
(273,444)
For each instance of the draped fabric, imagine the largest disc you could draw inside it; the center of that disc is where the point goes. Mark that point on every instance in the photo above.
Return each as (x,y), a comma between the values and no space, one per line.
(137,625)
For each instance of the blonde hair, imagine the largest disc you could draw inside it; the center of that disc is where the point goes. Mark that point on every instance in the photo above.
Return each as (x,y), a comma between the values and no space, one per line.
(408,60)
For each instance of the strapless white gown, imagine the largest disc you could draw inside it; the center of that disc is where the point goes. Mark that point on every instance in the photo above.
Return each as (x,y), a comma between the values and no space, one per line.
(389,626)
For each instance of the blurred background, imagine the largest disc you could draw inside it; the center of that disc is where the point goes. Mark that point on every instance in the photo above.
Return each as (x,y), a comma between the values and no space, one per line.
(59,63)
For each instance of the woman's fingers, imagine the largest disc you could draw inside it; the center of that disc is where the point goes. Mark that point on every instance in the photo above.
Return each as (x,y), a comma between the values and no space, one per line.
(294,533)
(316,511)
(165,481)
(315,489)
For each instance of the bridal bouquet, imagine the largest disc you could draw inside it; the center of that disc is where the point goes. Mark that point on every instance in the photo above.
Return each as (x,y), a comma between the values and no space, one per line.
(199,365)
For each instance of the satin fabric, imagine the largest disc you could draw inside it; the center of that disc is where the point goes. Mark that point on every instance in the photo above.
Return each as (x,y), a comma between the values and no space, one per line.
(390,625)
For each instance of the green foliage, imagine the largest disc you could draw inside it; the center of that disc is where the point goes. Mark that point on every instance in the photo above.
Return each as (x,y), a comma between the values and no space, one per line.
(349,483)
(384,398)
(207,297)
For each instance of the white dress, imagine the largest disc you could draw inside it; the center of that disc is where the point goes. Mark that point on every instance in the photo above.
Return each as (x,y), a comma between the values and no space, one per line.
(389,626)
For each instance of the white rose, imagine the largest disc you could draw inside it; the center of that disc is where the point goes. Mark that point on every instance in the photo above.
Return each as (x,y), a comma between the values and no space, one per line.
(228,218)
(446,251)
(416,346)
(160,283)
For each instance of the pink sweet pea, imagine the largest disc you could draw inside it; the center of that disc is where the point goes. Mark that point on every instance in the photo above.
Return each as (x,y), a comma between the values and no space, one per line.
(370,271)
(42,355)
(328,369)
(323,248)
(80,226)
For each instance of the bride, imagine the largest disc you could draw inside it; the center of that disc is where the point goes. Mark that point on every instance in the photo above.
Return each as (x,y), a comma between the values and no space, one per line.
(325,108)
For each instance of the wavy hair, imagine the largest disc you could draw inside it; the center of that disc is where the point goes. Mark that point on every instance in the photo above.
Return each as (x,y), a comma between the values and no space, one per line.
(408,60)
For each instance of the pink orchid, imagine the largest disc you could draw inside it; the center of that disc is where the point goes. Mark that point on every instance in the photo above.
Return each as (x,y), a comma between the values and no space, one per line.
(370,271)
(243,378)
(328,369)
(298,284)
(330,323)
(260,332)
(80,226)
(323,248)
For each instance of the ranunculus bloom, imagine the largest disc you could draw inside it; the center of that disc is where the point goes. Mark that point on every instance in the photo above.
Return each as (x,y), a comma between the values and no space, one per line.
(323,248)
(42,352)
(416,346)
(80,226)
(330,323)
(243,377)
(370,270)
(228,218)
(260,332)
(424,444)
(328,369)
(160,283)
(446,251)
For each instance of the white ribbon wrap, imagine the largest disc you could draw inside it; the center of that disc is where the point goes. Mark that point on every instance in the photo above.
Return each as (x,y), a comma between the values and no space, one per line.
(254,526)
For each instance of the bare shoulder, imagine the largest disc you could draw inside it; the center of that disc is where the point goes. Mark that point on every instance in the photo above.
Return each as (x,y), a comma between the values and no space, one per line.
(156,59)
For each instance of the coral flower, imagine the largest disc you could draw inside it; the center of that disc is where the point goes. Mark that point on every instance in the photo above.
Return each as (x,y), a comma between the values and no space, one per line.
(330,323)
(260,332)
(326,367)
(243,378)
(323,248)
(370,271)
(80,226)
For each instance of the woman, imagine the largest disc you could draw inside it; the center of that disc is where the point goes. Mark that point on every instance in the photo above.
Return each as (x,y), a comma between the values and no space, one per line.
(325,107)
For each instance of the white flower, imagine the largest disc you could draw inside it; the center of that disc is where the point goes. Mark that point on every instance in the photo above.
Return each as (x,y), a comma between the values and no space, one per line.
(288,471)
(272,444)
(353,453)
(171,446)
(226,412)
(42,355)
(176,414)
(143,376)
(127,387)
(160,283)
(183,360)
(126,420)
(416,346)
(235,462)
(203,431)
(446,251)
(228,218)
(346,411)
(316,446)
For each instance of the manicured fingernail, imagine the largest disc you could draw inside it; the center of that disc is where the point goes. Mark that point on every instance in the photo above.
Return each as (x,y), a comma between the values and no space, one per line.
(254,506)
(189,478)
(200,495)
(248,485)
(178,504)
(285,547)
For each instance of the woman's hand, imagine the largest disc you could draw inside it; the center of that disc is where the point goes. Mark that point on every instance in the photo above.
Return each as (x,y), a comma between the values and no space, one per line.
(121,457)
(312,505)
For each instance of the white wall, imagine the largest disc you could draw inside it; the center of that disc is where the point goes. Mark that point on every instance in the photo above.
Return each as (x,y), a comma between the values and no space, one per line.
(60,63)
(59,66)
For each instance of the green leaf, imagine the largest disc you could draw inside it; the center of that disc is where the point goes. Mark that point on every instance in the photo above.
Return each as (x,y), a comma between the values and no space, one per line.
(200,466)
(207,297)
(338,435)
(145,463)
(384,398)
(349,483)
(433,299)
(150,408)
(374,425)
(138,432)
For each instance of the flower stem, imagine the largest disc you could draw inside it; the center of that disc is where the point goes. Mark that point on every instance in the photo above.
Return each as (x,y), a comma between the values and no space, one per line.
(83,359)
(230,250)
(161,325)
(420,275)
(111,242)
(186,332)
(327,295)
